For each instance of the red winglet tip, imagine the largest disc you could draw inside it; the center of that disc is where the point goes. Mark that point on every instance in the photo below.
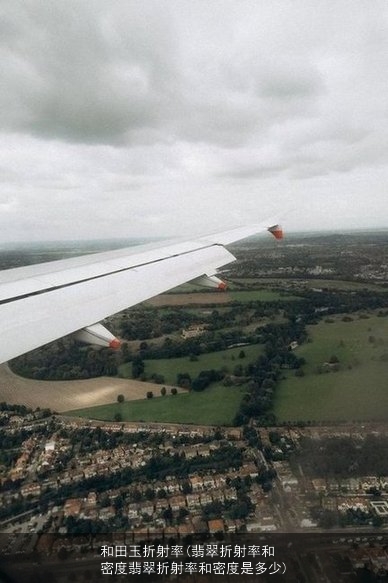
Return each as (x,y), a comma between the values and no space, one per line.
(276,231)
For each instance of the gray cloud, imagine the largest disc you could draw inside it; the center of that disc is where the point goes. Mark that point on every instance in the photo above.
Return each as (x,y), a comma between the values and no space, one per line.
(122,118)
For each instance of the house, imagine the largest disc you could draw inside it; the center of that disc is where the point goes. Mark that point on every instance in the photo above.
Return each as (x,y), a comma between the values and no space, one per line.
(133,510)
(230,525)
(72,507)
(49,446)
(30,490)
(196,483)
(193,331)
(91,500)
(206,498)
(216,525)
(177,502)
(107,513)
(193,501)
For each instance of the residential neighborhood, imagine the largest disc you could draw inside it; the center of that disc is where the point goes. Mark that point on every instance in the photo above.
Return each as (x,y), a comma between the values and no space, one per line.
(172,480)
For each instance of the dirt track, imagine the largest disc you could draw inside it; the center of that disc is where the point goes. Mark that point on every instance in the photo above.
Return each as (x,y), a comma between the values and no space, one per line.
(66,395)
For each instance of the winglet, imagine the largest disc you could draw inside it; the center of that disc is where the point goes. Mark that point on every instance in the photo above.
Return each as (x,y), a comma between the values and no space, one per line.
(276,231)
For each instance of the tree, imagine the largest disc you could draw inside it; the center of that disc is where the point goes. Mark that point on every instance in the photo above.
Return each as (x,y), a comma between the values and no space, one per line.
(120,398)
(163,391)
(186,487)
(200,383)
(241,354)
(174,391)
(149,394)
(137,367)
(149,494)
(118,417)
(183,512)
(184,380)
(267,486)
(167,514)
(124,352)
(156,378)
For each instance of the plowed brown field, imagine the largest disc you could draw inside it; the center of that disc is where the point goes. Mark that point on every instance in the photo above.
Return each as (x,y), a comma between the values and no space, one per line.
(66,395)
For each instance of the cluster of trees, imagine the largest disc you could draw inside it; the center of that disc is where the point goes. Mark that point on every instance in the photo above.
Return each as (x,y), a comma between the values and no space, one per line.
(144,323)
(95,438)
(266,371)
(342,457)
(21,410)
(65,360)
(205,343)
(220,460)
(200,382)
(234,509)
(147,322)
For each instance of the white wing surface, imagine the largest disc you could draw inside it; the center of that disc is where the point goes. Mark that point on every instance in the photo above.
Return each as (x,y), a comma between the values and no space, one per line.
(41,303)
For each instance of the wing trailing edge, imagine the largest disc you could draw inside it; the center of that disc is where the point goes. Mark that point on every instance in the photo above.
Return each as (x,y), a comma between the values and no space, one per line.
(41,303)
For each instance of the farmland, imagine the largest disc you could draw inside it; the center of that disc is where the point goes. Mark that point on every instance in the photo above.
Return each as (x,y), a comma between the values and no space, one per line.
(63,395)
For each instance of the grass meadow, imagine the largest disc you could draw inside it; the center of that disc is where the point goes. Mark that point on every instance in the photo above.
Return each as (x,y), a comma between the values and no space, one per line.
(170,367)
(357,392)
(217,405)
(260,295)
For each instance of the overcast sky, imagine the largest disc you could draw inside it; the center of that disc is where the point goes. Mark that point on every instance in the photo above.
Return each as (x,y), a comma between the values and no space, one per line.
(126,118)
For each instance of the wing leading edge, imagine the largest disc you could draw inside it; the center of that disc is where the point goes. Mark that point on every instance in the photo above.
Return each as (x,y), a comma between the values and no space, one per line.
(41,303)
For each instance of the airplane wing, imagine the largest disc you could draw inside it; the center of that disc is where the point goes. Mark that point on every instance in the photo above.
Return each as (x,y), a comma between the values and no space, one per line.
(44,302)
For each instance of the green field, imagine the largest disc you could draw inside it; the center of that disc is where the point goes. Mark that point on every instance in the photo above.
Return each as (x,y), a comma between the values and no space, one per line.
(170,367)
(260,295)
(358,391)
(217,405)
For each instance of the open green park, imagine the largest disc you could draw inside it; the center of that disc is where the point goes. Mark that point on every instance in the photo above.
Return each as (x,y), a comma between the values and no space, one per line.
(345,375)
(345,379)
(170,367)
(354,389)
(260,295)
(217,405)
